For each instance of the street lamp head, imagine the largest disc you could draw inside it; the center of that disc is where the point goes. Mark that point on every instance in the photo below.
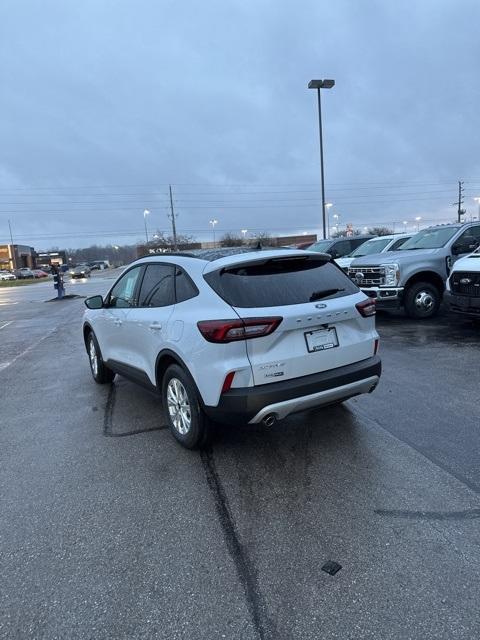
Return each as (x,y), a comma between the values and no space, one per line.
(321,84)
(213,221)
(418,218)
(328,205)
(146,212)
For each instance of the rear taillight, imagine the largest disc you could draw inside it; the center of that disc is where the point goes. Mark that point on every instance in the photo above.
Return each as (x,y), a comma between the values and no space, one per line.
(231,330)
(366,308)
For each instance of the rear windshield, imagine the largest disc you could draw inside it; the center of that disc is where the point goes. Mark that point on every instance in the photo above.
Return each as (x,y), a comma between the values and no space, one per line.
(279,282)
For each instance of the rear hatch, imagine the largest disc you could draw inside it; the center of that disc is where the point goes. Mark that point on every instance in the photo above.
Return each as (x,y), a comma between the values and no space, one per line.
(320,327)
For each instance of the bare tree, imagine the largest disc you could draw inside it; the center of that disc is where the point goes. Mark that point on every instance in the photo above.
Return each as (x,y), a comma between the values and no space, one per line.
(380,231)
(264,239)
(161,240)
(231,240)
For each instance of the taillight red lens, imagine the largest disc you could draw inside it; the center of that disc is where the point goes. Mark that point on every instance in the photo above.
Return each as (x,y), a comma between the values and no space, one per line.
(366,308)
(239,329)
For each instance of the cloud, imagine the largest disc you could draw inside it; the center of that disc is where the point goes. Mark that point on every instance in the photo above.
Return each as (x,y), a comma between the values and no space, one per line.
(139,95)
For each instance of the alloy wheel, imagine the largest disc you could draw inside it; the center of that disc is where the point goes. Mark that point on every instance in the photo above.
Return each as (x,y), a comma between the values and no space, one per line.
(92,353)
(179,406)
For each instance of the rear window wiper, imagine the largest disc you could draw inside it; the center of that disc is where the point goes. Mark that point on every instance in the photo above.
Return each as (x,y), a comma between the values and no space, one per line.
(318,295)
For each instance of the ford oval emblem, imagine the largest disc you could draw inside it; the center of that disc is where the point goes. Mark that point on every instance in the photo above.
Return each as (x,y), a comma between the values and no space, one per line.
(321,306)
(359,276)
(465,281)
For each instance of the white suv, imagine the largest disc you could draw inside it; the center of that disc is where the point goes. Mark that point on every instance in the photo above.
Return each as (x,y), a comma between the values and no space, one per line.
(235,335)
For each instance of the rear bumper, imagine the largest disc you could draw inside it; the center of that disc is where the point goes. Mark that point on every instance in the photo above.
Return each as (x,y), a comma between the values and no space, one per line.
(385,298)
(253,404)
(463,305)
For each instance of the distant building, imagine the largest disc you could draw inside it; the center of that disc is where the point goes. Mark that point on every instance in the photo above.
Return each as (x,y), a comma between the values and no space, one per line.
(15,256)
(151,249)
(48,258)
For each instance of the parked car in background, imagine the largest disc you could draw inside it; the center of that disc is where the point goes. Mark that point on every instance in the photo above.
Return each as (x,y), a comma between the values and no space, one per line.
(80,271)
(304,245)
(463,286)
(100,264)
(235,335)
(414,277)
(339,247)
(40,273)
(24,273)
(380,244)
(7,275)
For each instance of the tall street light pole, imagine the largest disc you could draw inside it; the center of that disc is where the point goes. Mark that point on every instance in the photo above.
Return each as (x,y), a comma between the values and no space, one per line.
(213,222)
(328,206)
(145,214)
(321,84)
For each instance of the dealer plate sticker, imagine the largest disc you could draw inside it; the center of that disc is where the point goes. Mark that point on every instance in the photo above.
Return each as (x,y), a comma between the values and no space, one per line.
(321,339)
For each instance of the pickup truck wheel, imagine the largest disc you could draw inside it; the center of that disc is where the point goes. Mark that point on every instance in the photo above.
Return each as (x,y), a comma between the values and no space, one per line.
(422,300)
(186,418)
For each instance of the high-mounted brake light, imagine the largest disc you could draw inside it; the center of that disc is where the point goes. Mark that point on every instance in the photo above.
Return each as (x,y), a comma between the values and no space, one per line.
(230,330)
(366,308)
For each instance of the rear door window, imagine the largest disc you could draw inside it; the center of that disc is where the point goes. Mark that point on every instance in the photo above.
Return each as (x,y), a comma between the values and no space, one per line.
(280,281)
(157,288)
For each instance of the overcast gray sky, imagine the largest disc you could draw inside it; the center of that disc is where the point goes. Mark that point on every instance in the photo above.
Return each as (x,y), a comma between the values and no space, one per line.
(106,102)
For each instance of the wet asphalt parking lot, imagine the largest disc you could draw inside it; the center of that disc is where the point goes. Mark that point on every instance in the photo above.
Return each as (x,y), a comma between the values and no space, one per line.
(109,529)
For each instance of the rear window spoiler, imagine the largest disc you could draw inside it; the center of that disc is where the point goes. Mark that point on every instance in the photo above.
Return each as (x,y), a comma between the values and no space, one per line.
(320,258)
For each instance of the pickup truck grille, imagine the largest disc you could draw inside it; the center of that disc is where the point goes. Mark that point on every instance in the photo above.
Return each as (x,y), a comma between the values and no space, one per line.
(466,283)
(373,276)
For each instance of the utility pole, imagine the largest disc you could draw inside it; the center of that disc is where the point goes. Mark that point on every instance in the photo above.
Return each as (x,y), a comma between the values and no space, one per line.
(14,259)
(172,216)
(460,211)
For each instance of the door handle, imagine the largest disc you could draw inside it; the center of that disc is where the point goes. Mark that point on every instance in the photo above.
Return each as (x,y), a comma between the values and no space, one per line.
(117,322)
(155,326)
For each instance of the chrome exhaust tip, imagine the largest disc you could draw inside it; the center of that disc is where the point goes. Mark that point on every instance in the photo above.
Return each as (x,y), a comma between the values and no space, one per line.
(269,420)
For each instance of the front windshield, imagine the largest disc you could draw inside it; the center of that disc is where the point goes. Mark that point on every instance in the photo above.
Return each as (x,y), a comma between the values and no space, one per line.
(430,238)
(321,246)
(369,247)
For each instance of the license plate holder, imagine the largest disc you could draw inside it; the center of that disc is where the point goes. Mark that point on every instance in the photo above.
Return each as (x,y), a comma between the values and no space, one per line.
(321,339)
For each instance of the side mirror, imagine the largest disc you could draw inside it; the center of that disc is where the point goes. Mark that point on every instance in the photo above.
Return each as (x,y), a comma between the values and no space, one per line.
(94,302)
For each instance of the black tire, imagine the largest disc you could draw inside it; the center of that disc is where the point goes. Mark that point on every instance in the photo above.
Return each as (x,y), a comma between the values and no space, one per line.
(197,427)
(100,372)
(422,300)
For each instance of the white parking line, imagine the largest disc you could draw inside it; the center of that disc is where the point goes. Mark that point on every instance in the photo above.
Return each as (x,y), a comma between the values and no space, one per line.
(6,324)
(4,365)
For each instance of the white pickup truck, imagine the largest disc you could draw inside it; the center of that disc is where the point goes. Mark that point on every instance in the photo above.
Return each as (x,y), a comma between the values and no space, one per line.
(463,286)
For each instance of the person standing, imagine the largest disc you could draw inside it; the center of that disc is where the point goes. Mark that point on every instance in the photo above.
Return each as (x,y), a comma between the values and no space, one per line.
(58,281)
